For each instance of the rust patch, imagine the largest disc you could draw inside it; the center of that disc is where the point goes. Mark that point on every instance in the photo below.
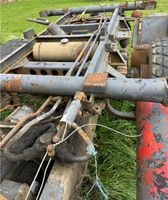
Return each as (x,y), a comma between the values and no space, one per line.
(80,95)
(50,150)
(2,197)
(95,82)
(96,79)
(124,5)
(13,85)
(137,13)
(144,72)
(151,1)
(139,57)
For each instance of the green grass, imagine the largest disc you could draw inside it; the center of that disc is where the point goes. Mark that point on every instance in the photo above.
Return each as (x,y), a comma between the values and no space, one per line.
(117,154)
(14,15)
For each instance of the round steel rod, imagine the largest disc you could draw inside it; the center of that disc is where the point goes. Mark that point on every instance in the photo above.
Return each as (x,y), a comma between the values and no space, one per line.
(90,49)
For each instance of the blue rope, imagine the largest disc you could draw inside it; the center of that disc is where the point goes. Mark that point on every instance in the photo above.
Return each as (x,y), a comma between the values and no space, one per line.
(92,151)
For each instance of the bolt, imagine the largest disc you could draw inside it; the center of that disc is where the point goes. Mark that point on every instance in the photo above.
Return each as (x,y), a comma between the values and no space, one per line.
(64,40)
(51,150)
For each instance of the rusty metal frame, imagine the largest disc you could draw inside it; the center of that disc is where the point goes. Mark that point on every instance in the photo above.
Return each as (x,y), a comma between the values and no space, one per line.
(92,74)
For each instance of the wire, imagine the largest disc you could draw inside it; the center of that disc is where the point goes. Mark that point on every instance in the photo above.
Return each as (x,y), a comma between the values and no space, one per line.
(91,5)
(100,125)
(87,195)
(45,155)
(44,175)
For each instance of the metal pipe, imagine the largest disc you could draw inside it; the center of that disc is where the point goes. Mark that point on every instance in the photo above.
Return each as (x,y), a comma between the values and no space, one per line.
(155,90)
(141,5)
(39,21)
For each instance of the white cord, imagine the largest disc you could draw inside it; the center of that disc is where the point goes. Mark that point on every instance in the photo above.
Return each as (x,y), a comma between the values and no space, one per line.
(45,155)
(44,175)
(100,125)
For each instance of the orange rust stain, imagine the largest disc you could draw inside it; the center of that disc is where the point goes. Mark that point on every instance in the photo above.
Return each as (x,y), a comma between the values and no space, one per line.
(96,79)
(80,95)
(2,197)
(137,13)
(13,85)
(124,5)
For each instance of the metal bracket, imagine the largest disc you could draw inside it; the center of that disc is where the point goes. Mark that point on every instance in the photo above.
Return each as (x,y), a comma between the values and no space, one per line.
(94,108)
(95,83)
(29,34)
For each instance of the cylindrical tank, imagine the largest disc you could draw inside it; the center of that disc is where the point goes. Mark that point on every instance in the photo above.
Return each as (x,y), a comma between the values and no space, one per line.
(58,51)
(152,151)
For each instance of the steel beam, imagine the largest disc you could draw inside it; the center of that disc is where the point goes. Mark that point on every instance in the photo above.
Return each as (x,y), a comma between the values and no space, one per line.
(99,60)
(45,68)
(112,27)
(80,27)
(59,37)
(155,90)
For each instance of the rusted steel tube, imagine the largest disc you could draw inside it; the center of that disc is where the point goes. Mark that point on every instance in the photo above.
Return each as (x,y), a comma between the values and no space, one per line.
(57,51)
(21,122)
(155,90)
(54,29)
(141,5)
(152,151)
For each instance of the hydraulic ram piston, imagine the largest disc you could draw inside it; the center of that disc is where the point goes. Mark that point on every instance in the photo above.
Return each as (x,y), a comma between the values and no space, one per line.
(155,90)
